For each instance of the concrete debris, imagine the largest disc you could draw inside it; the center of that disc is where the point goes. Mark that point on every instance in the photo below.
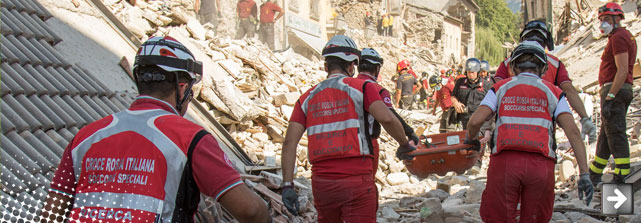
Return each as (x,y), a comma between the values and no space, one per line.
(251,91)
(397,179)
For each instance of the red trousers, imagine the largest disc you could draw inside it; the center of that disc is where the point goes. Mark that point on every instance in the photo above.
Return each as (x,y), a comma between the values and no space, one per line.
(514,176)
(345,199)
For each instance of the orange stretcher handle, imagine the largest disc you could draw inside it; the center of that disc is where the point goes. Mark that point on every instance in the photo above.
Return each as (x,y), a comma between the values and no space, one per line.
(440,149)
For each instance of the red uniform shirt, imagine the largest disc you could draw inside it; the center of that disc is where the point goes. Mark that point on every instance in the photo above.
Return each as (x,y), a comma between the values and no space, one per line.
(444,96)
(384,93)
(246,8)
(554,75)
(267,12)
(620,41)
(352,166)
(207,156)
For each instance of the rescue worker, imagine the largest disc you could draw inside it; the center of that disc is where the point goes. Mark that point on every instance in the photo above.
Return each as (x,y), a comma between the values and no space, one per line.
(615,79)
(405,85)
(423,93)
(468,93)
(148,163)
(246,11)
(369,68)
(385,24)
(335,114)
(208,11)
(556,74)
(443,91)
(267,20)
(523,158)
(485,72)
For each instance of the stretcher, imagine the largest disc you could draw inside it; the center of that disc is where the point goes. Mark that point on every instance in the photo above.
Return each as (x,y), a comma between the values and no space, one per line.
(442,153)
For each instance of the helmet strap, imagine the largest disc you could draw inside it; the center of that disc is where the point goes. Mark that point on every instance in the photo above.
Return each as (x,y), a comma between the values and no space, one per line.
(186,93)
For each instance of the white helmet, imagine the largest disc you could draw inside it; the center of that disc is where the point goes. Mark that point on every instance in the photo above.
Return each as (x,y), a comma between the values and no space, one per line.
(370,55)
(170,55)
(342,47)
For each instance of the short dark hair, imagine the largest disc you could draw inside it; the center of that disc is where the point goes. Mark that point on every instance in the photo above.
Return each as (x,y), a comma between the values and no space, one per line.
(160,88)
(366,66)
(334,63)
(531,58)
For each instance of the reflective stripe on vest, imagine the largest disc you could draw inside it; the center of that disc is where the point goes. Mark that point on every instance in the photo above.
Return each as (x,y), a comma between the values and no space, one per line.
(140,122)
(320,144)
(523,121)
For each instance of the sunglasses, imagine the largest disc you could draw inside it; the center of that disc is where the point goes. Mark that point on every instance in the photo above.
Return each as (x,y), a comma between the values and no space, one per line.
(536,24)
(603,9)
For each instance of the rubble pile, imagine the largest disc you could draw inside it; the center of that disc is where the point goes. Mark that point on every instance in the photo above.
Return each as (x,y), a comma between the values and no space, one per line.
(422,31)
(258,89)
(354,12)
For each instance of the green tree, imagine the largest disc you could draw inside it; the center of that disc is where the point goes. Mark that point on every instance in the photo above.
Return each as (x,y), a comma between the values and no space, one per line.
(489,47)
(495,24)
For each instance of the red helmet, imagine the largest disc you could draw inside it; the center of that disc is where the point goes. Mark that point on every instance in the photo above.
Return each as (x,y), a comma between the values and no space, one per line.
(611,8)
(404,64)
(442,71)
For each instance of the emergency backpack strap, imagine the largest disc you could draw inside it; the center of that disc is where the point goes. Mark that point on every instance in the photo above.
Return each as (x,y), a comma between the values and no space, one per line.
(366,121)
(554,124)
(188,195)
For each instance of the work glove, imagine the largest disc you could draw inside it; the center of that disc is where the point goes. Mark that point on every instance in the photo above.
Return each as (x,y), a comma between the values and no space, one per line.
(475,143)
(401,152)
(605,108)
(414,138)
(585,188)
(290,200)
(588,127)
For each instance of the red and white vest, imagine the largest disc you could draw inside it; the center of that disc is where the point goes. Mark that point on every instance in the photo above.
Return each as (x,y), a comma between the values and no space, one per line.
(335,119)
(134,166)
(550,74)
(525,115)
